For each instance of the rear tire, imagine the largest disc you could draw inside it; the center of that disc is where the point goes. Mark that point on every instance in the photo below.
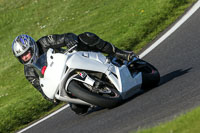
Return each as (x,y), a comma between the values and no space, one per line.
(99,100)
(150,75)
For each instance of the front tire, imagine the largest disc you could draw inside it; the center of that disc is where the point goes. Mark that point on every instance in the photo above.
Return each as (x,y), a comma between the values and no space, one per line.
(84,94)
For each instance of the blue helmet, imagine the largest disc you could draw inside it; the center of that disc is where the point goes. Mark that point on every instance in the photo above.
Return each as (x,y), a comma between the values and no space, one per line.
(23,44)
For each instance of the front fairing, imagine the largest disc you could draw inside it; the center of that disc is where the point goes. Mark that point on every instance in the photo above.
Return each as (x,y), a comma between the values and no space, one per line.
(53,73)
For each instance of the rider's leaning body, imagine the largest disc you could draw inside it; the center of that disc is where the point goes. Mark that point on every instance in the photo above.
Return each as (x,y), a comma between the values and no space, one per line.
(26,50)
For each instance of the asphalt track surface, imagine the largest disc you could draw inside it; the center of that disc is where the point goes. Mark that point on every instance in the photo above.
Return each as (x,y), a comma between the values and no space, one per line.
(178,60)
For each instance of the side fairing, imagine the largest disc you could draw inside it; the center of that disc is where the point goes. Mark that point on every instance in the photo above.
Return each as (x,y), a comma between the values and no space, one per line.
(119,76)
(88,61)
(56,73)
(123,80)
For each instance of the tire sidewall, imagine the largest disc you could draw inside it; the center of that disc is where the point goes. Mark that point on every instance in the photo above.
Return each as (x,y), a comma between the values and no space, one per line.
(93,98)
(150,80)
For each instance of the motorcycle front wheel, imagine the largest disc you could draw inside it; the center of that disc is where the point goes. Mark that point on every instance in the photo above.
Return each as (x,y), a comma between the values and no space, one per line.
(106,101)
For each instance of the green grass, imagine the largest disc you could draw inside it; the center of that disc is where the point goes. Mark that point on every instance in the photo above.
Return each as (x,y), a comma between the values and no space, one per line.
(186,123)
(129,24)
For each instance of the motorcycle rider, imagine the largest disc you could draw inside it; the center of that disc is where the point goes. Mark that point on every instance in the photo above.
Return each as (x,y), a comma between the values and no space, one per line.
(26,50)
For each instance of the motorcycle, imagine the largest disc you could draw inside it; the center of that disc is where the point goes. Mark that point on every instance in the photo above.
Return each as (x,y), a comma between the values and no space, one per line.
(92,79)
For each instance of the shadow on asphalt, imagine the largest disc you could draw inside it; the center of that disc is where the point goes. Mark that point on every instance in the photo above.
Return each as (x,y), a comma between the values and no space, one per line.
(172,75)
(163,80)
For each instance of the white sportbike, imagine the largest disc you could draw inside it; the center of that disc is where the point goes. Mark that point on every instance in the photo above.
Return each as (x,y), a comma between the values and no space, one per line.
(90,78)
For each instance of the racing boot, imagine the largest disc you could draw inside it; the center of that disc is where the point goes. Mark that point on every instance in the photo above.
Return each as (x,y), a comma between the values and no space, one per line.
(97,44)
(124,55)
(116,52)
(79,109)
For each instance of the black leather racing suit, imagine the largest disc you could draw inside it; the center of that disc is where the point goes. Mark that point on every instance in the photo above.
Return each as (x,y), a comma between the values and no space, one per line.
(85,42)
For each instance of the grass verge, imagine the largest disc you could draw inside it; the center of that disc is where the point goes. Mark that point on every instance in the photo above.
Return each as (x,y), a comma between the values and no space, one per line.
(186,123)
(127,24)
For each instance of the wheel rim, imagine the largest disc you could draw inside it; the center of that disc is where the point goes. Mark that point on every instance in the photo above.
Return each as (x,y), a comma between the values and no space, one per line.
(104,91)
(113,93)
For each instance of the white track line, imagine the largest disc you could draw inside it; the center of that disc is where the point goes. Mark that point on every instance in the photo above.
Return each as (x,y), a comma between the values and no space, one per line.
(175,27)
(161,39)
(61,109)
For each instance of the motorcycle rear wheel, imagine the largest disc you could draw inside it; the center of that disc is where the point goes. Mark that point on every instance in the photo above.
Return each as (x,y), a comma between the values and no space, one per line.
(84,94)
(150,75)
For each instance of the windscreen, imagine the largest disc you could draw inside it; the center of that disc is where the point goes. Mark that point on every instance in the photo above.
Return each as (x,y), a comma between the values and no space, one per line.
(40,64)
